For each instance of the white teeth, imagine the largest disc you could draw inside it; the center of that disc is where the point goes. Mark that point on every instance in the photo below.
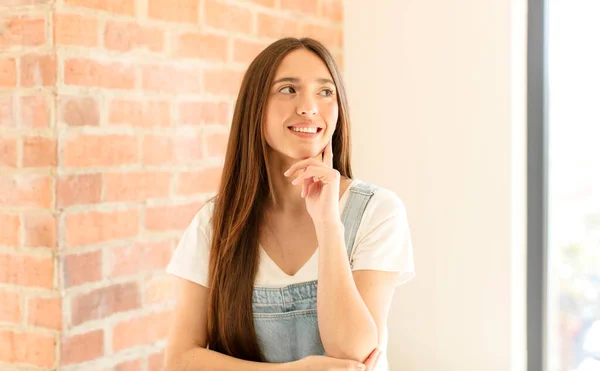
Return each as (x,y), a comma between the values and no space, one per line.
(305,130)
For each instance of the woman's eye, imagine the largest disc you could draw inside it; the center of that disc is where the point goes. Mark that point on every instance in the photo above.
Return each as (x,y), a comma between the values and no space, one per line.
(326,92)
(287,90)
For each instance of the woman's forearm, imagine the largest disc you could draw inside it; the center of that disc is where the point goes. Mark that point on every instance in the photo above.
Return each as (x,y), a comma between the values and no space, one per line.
(347,328)
(201,359)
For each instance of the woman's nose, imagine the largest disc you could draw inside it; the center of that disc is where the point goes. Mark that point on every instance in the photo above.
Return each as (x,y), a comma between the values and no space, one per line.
(307,106)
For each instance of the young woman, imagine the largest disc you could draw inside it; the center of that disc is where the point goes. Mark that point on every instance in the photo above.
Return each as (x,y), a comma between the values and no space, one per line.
(288,217)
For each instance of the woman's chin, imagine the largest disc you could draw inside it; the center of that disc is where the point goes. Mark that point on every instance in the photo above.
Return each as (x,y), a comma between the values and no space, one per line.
(298,154)
(303,154)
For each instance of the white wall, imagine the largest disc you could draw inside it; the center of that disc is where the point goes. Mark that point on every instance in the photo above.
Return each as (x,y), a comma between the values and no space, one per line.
(437,93)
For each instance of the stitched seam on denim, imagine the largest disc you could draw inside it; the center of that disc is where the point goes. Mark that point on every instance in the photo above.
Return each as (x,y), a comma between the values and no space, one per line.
(293,314)
(266,305)
(288,287)
(312,299)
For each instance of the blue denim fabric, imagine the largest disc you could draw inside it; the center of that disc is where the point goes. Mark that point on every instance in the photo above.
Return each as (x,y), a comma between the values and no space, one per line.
(286,318)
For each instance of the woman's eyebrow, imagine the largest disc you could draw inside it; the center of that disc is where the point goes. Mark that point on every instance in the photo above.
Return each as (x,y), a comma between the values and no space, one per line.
(325,81)
(295,80)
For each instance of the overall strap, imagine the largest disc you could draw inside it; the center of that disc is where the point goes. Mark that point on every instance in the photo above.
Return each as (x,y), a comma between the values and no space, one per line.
(359,197)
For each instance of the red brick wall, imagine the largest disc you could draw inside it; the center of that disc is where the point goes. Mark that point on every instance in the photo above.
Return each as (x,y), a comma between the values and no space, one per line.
(30,300)
(113,123)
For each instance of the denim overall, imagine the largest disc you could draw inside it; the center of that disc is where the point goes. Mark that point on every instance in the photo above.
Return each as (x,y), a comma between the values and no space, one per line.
(286,318)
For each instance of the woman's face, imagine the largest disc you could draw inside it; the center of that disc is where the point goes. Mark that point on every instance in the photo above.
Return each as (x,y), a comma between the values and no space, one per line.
(302,109)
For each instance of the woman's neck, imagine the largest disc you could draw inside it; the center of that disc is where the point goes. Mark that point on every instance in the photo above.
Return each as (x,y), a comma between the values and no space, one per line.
(287,195)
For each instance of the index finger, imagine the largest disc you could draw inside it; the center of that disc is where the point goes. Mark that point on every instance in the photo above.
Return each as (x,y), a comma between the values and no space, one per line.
(372,359)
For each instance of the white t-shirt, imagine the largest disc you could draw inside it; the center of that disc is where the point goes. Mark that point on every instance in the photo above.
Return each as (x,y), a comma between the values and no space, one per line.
(383,242)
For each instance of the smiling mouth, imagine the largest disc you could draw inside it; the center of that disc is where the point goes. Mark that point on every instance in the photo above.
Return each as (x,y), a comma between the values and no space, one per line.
(312,130)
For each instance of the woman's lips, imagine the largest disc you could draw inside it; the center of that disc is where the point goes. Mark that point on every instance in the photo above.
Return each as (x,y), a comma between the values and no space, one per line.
(304,134)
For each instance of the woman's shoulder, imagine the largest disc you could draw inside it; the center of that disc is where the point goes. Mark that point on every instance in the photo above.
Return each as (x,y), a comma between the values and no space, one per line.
(191,256)
(203,218)
(384,201)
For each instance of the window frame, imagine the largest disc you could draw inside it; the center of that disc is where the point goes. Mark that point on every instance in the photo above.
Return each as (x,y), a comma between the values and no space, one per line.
(537,185)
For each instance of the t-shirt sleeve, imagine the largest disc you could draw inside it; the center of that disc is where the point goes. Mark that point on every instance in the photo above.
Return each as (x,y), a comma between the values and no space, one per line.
(190,258)
(383,241)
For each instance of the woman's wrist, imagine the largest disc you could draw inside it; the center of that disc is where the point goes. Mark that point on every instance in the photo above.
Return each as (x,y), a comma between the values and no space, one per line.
(333,225)
(288,366)
(329,230)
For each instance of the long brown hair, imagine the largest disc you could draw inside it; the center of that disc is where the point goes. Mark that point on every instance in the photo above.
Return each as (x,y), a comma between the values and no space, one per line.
(243,193)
